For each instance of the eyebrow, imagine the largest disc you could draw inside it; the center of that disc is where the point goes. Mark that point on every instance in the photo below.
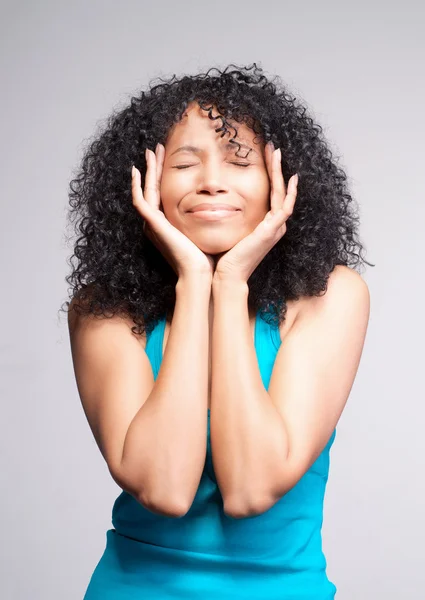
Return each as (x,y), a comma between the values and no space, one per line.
(196,150)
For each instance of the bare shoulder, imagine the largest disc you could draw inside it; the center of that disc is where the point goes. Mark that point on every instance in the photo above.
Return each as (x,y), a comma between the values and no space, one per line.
(343,282)
(79,321)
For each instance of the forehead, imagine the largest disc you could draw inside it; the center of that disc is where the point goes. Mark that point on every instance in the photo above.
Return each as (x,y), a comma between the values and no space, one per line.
(196,129)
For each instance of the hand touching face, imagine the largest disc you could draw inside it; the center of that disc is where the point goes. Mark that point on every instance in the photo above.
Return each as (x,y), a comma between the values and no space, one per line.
(201,167)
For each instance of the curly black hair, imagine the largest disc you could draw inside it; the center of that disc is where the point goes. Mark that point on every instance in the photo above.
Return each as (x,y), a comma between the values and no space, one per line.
(119,270)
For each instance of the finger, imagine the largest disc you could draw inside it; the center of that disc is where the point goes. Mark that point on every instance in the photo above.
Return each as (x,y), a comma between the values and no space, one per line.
(160,157)
(274,221)
(150,192)
(136,190)
(278,190)
(274,168)
(277,219)
(291,196)
(143,207)
(268,155)
(139,201)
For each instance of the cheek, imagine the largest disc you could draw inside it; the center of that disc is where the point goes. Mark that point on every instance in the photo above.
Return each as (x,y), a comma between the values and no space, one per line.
(170,192)
(174,182)
(166,187)
(266,185)
(257,194)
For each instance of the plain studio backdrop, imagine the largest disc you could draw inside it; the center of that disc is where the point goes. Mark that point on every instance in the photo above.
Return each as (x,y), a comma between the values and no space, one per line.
(64,66)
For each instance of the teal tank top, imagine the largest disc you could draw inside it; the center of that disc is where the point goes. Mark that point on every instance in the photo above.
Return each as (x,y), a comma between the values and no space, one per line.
(208,555)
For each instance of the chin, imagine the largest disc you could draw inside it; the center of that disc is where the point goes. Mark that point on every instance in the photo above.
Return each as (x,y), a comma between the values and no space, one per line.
(216,244)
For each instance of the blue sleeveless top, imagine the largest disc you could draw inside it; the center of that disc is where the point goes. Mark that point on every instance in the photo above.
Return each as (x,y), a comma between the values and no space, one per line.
(206,554)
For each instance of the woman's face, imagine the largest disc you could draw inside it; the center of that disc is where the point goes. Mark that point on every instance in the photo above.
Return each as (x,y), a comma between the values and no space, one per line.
(209,172)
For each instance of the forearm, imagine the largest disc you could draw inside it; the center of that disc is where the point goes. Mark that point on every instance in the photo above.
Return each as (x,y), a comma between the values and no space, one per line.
(166,441)
(248,437)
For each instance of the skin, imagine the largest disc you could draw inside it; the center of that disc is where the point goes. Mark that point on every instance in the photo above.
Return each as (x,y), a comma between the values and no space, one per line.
(263,441)
(194,166)
(214,173)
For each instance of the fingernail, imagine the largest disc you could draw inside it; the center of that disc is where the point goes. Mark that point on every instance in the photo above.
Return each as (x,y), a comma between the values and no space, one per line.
(133,171)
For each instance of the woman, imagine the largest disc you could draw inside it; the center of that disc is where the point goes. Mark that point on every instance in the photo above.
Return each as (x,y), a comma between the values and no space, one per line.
(216,327)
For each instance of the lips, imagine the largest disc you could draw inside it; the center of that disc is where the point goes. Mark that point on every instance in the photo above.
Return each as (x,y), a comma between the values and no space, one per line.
(212,207)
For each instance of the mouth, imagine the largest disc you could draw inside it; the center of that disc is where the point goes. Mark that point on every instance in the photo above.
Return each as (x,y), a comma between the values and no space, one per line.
(209,214)
(213,206)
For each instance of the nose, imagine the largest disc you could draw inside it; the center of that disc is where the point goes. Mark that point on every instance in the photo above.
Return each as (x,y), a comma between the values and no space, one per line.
(211,180)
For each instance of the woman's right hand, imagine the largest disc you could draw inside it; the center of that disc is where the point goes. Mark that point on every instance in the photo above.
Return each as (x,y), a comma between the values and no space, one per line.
(182,254)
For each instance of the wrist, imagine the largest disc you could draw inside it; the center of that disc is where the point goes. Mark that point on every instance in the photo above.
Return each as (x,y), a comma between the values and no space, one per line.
(225,285)
(198,281)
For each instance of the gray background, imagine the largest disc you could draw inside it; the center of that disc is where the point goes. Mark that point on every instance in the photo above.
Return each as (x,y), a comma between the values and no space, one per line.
(64,65)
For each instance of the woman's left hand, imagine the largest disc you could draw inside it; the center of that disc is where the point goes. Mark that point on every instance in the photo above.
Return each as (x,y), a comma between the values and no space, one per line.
(238,263)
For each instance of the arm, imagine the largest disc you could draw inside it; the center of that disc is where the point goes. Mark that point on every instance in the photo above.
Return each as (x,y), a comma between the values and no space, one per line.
(264,441)
(151,434)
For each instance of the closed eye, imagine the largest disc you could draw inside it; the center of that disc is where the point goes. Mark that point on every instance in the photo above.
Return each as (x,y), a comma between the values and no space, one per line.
(233,163)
